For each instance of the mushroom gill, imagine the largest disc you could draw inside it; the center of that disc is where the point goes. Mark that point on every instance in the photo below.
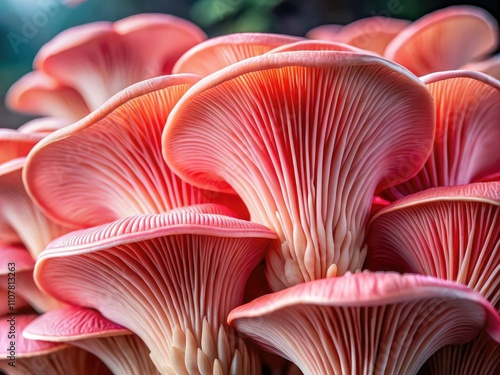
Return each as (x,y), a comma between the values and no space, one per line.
(20,356)
(445,39)
(85,65)
(306,139)
(465,147)
(217,53)
(112,161)
(121,351)
(452,233)
(365,323)
(170,278)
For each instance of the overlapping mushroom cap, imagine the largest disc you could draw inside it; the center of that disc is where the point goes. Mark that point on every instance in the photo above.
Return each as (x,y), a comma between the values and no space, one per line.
(33,357)
(170,278)
(489,66)
(123,352)
(15,205)
(450,232)
(306,139)
(37,93)
(446,39)
(372,33)
(467,129)
(373,323)
(217,53)
(112,161)
(16,274)
(84,66)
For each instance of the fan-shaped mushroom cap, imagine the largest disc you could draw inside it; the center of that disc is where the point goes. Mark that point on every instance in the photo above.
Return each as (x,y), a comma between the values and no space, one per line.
(371,33)
(112,161)
(325,32)
(489,66)
(170,278)
(16,268)
(467,128)
(450,232)
(317,45)
(480,356)
(100,59)
(44,125)
(18,213)
(306,139)
(366,323)
(33,357)
(15,144)
(39,94)
(220,52)
(444,40)
(123,352)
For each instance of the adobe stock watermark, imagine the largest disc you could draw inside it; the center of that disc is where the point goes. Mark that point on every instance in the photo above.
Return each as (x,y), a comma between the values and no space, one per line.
(30,26)
(11,315)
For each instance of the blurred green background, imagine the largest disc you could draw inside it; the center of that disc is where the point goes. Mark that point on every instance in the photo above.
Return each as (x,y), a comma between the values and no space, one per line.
(216,17)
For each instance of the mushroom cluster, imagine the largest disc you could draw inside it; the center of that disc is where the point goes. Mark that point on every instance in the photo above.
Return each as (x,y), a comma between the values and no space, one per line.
(255,203)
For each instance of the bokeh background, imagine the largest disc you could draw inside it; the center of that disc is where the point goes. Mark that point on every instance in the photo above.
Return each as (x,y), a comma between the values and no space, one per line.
(37,21)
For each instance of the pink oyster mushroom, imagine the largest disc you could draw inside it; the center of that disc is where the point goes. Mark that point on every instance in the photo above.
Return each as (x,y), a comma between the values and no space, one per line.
(20,219)
(371,33)
(445,39)
(112,161)
(170,278)
(466,147)
(44,125)
(85,65)
(306,139)
(37,93)
(15,144)
(120,350)
(451,233)
(480,356)
(489,66)
(366,323)
(16,267)
(217,53)
(33,357)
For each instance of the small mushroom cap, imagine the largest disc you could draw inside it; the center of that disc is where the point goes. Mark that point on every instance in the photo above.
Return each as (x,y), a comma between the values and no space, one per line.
(39,94)
(447,232)
(72,323)
(25,348)
(18,213)
(112,160)
(305,138)
(489,66)
(44,125)
(372,33)
(17,255)
(366,322)
(444,40)
(19,259)
(102,58)
(465,148)
(43,357)
(220,52)
(170,278)
(15,144)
